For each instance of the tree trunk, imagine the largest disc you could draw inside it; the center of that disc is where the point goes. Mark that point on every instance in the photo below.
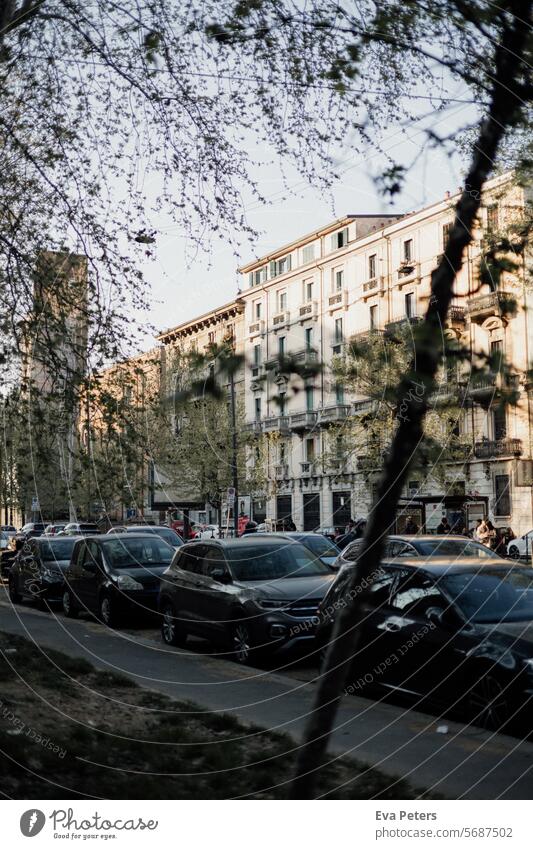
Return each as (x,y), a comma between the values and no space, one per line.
(508,95)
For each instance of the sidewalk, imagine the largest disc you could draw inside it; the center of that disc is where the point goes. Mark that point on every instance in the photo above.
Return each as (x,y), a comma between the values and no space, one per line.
(465,763)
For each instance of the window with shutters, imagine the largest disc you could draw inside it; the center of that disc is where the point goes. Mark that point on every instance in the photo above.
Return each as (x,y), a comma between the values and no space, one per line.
(257,409)
(308,291)
(257,355)
(310,449)
(309,399)
(408,250)
(339,393)
(339,239)
(281,300)
(499,423)
(280,266)
(257,310)
(308,254)
(258,276)
(372,266)
(339,336)
(409,305)
(446,229)
(308,338)
(373,315)
(281,345)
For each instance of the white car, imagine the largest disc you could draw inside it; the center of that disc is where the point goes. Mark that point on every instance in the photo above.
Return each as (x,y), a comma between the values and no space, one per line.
(4,540)
(209,532)
(521,546)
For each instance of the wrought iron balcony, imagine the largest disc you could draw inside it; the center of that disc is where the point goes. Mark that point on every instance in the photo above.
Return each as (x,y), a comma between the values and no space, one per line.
(481,307)
(456,316)
(304,355)
(488,448)
(401,323)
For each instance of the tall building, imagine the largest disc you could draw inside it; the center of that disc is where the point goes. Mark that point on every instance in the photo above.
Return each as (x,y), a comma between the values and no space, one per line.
(364,274)
(54,364)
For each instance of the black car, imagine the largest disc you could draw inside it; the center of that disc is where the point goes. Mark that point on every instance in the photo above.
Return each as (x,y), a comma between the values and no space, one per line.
(166,533)
(37,569)
(459,635)
(451,546)
(318,544)
(114,575)
(246,595)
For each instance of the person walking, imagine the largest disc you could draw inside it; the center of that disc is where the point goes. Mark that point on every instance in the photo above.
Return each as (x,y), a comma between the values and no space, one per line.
(486,533)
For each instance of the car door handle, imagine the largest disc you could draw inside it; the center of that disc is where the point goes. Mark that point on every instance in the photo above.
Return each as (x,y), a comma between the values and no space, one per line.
(392,626)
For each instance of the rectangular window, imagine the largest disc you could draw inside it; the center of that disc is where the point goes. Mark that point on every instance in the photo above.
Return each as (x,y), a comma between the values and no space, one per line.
(373,312)
(258,276)
(309,399)
(257,409)
(257,310)
(310,450)
(499,423)
(282,400)
(280,266)
(308,291)
(281,346)
(408,250)
(257,355)
(502,502)
(282,301)
(282,452)
(339,393)
(446,229)
(372,266)
(308,338)
(339,239)
(338,330)
(338,280)
(492,218)
(308,254)
(409,305)
(211,337)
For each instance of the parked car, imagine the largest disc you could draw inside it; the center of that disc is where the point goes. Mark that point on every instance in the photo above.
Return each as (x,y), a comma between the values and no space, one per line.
(432,545)
(459,635)
(10,530)
(80,528)
(318,544)
(4,541)
(170,536)
(31,529)
(114,575)
(255,593)
(52,530)
(208,532)
(521,546)
(37,570)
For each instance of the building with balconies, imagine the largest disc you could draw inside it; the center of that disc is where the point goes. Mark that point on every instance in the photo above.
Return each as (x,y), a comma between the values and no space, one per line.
(364,276)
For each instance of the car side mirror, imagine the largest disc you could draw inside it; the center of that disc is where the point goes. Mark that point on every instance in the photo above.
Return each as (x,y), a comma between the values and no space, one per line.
(221,575)
(445,617)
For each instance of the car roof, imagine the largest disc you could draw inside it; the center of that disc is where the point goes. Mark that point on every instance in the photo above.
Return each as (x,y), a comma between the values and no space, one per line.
(121,535)
(444,565)
(247,539)
(150,529)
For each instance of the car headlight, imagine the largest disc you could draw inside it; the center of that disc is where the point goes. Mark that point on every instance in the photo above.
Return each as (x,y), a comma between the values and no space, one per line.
(528,663)
(271,603)
(126,582)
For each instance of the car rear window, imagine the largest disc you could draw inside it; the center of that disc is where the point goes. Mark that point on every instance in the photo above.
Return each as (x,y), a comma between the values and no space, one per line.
(126,553)
(57,549)
(268,562)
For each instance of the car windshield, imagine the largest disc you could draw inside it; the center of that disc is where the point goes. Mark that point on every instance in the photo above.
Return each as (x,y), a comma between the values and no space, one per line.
(269,562)
(455,548)
(321,546)
(167,534)
(59,549)
(144,551)
(498,595)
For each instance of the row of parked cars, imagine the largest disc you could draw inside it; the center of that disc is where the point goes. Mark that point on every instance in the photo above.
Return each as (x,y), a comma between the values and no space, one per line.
(444,619)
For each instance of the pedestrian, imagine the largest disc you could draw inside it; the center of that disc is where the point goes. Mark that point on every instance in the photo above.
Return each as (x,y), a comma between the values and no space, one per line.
(290,524)
(411,528)
(475,532)
(508,535)
(500,546)
(356,531)
(487,533)
(444,526)
(249,528)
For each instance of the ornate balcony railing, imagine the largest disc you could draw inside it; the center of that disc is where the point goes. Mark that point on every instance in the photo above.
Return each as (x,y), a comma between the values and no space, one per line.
(281,471)
(276,423)
(333,413)
(481,306)
(303,421)
(488,448)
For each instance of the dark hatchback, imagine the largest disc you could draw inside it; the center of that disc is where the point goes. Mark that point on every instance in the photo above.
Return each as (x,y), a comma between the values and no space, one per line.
(318,544)
(458,635)
(248,595)
(37,570)
(114,575)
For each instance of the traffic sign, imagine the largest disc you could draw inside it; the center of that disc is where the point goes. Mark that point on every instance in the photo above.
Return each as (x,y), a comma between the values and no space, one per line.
(230,495)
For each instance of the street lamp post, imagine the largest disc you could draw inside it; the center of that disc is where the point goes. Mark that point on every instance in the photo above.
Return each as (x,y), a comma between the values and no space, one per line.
(234,447)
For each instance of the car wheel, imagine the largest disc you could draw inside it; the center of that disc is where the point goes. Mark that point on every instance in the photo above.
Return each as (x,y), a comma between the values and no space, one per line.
(14,594)
(514,552)
(69,605)
(489,703)
(107,611)
(172,632)
(241,643)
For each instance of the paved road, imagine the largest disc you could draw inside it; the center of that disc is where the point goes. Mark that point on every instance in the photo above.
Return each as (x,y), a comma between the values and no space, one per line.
(464,763)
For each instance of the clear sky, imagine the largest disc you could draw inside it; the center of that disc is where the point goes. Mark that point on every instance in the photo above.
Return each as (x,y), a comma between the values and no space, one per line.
(183,288)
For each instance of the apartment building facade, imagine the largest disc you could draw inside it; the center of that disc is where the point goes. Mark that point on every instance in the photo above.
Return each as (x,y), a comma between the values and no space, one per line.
(364,274)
